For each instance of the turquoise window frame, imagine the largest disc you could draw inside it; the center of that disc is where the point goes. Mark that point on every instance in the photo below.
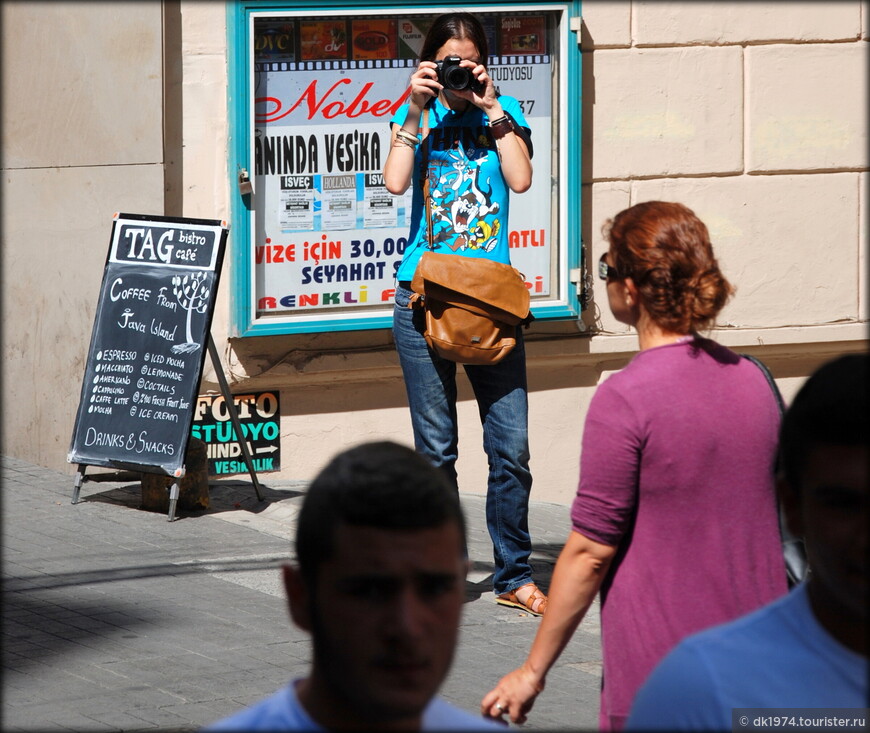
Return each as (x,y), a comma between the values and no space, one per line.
(242,312)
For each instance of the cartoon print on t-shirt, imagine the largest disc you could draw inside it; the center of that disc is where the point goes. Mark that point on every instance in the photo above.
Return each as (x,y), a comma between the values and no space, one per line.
(463,213)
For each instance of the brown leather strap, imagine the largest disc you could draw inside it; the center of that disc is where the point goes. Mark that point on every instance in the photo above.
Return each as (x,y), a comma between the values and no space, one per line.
(425,168)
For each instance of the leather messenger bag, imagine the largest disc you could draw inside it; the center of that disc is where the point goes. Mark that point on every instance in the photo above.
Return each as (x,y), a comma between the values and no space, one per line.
(473,306)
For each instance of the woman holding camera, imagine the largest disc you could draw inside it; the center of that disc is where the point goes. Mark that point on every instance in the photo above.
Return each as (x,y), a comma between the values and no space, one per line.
(464,148)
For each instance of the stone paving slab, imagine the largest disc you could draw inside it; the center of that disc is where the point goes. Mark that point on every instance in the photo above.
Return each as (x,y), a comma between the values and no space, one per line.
(115,619)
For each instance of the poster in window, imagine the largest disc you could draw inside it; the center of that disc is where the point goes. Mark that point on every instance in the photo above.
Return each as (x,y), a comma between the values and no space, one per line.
(327,235)
(297,202)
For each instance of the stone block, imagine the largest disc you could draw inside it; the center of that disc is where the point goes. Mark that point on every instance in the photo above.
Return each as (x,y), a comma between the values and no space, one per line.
(56,228)
(608,24)
(205,147)
(82,87)
(807,107)
(204,27)
(665,112)
(788,243)
(689,22)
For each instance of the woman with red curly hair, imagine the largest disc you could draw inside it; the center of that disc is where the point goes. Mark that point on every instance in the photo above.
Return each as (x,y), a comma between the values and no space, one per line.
(675,518)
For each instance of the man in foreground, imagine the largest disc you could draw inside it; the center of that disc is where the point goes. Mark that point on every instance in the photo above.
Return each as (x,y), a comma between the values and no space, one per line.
(379,585)
(808,649)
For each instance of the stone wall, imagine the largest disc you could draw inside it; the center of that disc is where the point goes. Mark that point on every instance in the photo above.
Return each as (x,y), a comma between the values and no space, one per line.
(82,139)
(753,114)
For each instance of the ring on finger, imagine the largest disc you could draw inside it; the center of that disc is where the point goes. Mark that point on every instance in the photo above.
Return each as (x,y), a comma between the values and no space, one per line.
(499,706)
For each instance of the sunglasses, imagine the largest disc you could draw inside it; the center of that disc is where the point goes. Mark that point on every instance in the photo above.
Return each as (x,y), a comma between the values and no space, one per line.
(606,271)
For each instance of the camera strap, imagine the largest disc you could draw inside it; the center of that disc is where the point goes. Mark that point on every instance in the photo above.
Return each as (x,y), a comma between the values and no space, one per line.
(427,197)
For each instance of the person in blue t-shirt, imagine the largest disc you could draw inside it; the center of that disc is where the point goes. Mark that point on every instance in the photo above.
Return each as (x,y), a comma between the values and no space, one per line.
(379,585)
(476,149)
(808,649)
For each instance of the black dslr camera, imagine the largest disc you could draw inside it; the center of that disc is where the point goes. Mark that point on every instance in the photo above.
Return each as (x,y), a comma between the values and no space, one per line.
(455,77)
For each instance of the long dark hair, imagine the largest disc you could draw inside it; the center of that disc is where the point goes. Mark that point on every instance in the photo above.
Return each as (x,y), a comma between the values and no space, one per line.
(458,26)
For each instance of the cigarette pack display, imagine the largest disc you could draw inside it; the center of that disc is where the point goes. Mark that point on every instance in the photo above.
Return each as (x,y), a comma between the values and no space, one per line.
(374,39)
(412,32)
(323,39)
(522,34)
(274,40)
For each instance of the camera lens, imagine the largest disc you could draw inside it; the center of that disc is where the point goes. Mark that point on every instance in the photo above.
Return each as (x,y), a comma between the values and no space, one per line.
(457,77)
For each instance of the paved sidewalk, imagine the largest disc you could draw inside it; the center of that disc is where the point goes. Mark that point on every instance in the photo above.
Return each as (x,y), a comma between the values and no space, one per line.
(116,620)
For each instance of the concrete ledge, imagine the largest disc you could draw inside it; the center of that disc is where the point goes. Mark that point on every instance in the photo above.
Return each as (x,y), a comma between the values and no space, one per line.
(808,337)
(334,367)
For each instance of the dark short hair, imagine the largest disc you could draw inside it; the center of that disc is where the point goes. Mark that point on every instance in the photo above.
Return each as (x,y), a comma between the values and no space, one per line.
(460,26)
(830,409)
(379,484)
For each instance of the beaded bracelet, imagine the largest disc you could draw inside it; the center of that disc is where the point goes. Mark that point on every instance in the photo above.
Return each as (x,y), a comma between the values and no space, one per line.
(407,138)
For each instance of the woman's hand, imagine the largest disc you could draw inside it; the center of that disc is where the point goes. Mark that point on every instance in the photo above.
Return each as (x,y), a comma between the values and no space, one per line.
(485,96)
(577,577)
(425,87)
(513,696)
(424,84)
(516,165)
(399,165)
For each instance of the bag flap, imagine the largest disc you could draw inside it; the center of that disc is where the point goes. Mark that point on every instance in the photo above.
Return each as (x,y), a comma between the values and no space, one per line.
(437,293)
(472,280)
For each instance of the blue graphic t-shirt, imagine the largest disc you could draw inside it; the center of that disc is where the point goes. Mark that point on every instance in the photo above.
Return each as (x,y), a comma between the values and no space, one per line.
(470,198)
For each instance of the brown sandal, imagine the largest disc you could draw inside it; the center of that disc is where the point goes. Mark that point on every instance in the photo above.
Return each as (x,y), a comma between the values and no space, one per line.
(535,605)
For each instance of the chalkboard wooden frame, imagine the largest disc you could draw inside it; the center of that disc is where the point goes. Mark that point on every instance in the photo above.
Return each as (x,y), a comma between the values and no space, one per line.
(148,345)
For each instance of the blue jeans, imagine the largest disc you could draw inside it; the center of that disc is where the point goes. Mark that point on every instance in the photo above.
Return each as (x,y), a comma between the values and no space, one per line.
(502,400)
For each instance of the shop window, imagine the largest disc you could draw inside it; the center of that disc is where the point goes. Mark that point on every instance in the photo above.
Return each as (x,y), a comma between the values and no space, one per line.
(316,237)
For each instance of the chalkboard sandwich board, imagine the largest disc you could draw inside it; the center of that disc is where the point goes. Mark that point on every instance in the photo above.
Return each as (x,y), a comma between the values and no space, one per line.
(149,342)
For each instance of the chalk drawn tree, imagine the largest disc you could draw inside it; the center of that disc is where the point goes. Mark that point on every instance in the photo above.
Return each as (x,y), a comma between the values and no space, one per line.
(192,294)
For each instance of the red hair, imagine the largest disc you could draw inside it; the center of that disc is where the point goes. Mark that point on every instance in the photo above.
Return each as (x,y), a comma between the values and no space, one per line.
(665,249)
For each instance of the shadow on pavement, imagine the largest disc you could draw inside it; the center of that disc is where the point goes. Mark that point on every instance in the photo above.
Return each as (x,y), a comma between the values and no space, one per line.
(224,496)
(51,624)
